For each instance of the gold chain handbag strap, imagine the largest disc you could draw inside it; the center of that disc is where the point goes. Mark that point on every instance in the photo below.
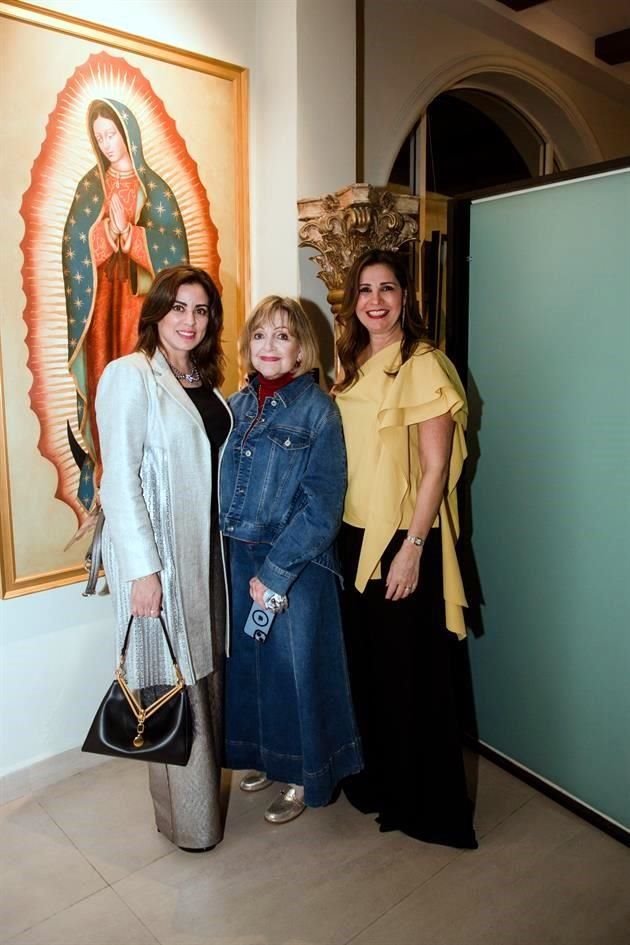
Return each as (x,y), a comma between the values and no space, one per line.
(140,712)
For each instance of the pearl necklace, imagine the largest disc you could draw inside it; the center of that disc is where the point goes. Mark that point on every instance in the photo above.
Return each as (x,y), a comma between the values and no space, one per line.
(193,378)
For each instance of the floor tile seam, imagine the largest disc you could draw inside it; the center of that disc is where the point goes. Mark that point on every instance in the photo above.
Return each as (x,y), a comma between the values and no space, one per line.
(579,827)
(53,915)
(12,798)
(29,796)
(144,866)
(32,790)
(73,782)
(87,859)
(507,817)
(402,899)
(72,779)
(73,844)
(579,824)
(136,916)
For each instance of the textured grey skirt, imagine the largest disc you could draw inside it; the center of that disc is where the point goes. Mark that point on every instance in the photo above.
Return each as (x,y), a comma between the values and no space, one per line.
(187,800)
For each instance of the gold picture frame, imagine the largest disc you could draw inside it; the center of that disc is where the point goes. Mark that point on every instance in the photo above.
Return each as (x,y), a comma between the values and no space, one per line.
(189,116)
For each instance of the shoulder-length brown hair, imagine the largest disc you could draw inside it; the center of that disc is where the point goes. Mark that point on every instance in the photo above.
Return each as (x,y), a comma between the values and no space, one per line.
(297,322)
(208,355)
(353,338)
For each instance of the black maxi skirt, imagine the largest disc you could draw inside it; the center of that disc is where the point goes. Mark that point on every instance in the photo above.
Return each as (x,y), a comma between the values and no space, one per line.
(399,659)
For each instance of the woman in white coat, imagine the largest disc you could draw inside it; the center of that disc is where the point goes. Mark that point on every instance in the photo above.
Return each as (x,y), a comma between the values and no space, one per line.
(162,424)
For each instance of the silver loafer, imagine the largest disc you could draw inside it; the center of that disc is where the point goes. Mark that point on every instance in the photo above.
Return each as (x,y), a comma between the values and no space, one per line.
(286,807)
(256,781)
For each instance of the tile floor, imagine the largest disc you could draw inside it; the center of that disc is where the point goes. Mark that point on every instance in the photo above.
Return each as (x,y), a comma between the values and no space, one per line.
(82,864)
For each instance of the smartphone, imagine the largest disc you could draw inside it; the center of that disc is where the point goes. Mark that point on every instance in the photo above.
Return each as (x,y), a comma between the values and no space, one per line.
(258,623)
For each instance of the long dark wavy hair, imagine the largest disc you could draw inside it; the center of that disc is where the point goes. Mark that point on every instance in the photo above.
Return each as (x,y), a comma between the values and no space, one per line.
(353,338)
(208,355)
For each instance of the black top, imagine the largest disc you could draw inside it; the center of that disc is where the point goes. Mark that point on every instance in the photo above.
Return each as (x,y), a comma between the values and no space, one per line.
(217,423)
(213,413)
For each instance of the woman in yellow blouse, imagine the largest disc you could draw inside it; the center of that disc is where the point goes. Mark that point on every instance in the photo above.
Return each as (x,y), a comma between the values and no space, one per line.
(403,409)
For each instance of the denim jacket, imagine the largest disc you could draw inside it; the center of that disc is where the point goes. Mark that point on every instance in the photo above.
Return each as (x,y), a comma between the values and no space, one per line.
(283,478)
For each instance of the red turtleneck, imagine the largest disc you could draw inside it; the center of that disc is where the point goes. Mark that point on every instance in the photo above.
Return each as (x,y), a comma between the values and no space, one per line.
(267,388)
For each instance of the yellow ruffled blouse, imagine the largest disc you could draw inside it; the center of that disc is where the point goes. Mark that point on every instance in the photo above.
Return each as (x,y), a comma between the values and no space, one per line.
(379,414)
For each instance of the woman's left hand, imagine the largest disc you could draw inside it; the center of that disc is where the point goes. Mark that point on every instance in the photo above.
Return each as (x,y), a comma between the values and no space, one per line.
(256,591)
(404,572)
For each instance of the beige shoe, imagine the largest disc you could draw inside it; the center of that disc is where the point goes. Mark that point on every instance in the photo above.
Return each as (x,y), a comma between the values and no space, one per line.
(287,806)
(256,781)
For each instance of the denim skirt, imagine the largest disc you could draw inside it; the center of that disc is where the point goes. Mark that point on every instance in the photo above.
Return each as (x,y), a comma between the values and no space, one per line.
(288,706)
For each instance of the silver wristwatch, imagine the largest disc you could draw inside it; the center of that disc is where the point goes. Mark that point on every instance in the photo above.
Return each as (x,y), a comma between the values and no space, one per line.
(275,602)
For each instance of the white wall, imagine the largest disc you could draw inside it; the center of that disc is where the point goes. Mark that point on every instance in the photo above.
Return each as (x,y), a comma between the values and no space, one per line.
(223,29)
(304,137)
(56,660)
(274,150)
(326,57)
(326,95)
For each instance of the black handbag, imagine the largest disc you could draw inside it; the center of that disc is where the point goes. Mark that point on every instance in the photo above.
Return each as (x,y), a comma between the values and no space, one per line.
(162,731)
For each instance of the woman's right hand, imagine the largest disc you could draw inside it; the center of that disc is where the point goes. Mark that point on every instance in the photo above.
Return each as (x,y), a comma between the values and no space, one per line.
(146,596)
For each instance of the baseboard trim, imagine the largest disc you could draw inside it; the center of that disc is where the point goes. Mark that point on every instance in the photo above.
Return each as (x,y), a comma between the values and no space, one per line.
(557,794)
(41,774)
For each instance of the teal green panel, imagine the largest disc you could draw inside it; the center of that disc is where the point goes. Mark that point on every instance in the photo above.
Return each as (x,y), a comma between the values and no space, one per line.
(549,354)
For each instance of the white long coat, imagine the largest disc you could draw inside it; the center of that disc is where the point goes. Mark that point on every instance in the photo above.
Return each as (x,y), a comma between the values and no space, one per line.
(156,493)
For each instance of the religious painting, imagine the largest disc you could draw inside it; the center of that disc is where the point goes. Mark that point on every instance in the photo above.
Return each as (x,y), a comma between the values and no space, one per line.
(117,166)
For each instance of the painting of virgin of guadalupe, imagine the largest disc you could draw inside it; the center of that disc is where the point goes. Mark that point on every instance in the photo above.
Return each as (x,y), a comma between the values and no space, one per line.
(115,197)
(124,226)
(120,156)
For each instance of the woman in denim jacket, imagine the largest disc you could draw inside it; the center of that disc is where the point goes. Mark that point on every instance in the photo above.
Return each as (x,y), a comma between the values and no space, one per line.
(288,709)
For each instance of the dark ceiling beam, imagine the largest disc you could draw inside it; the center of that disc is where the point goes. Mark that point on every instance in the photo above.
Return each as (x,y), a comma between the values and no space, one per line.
(519,5)
(614,47)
